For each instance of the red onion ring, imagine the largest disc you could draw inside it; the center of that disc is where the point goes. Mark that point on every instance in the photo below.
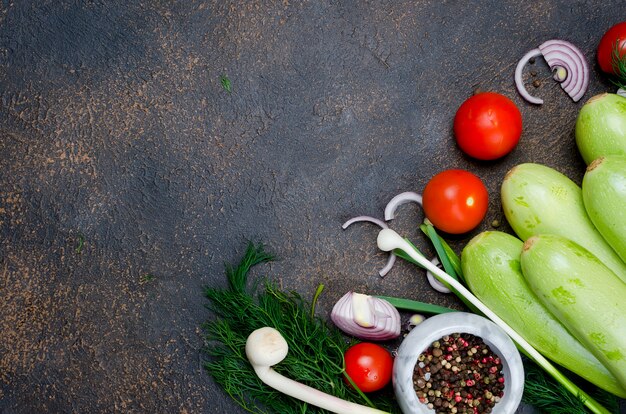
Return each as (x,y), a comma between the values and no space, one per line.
(434,283)
(560,55)
(402,198)
(386,319)
(392,257)
(519,82)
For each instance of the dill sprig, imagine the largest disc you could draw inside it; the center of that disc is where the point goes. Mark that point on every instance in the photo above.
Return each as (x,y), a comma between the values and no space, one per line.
(618,61)
(316,348)
(226,83)
(546,395)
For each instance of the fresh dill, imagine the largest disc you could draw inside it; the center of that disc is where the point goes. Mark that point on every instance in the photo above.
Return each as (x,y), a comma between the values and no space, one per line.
(80,243)
(546,395)
(618,61)
(226,83)
(148,277)
(316,348)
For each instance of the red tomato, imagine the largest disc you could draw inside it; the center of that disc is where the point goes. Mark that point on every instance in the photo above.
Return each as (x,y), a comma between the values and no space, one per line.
(613,40)
(455,201)
(369,366)
(487,126)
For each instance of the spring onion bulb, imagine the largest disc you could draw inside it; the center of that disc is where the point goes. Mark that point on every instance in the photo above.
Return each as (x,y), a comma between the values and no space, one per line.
(266,347)
(366,317)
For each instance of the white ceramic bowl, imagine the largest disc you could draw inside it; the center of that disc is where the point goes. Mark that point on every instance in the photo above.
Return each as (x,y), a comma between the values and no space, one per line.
(434,328)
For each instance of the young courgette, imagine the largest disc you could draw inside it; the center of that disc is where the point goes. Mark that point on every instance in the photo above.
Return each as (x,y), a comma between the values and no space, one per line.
(604,195)
(540,200)
(585,295)
(491,267)
(600,127)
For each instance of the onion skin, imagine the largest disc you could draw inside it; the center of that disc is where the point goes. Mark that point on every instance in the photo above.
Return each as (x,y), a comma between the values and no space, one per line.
(387,323)
(604,195)
(601,127)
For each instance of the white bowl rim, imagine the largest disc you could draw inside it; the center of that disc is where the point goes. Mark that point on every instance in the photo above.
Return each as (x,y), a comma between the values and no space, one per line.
(434,328)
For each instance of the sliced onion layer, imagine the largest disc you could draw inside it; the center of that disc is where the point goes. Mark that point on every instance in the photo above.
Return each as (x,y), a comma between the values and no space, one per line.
(434,283)
(392,257)
(519,82)
(366,317)
(561,54)
(567,62)
(402,198)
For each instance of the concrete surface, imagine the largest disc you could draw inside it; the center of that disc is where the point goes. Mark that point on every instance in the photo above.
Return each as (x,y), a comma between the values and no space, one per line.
(116,133)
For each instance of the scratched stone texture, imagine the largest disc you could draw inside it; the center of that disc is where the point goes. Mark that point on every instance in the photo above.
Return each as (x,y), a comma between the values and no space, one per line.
(129,175)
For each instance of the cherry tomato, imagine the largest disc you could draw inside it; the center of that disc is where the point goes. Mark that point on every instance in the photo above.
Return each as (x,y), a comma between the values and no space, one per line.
(613,40)
(455,201)
(487,126)
(369,366)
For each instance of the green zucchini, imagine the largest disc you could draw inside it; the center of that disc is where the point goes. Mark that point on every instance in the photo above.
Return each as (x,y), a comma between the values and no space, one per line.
(491,267)
(601,127)
(540,200)
(604,196)
(584,294)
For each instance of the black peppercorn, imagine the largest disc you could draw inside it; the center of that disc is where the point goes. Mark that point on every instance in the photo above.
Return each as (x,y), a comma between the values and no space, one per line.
(459,374)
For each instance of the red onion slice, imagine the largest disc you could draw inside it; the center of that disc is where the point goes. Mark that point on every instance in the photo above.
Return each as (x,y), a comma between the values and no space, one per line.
(402,198)
(434,283)
(567,62)
(392,257)
(369,219)
(386,318)
(560,53)
(519,82)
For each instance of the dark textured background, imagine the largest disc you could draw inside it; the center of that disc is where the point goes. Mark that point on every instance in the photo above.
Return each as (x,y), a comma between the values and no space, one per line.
(114,127)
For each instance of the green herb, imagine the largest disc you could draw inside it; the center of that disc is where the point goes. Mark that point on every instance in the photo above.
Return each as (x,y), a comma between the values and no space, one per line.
(619,66)
(80,243)
(548,396)
(316,348)
(318,292)
(148,277)
(226,84)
